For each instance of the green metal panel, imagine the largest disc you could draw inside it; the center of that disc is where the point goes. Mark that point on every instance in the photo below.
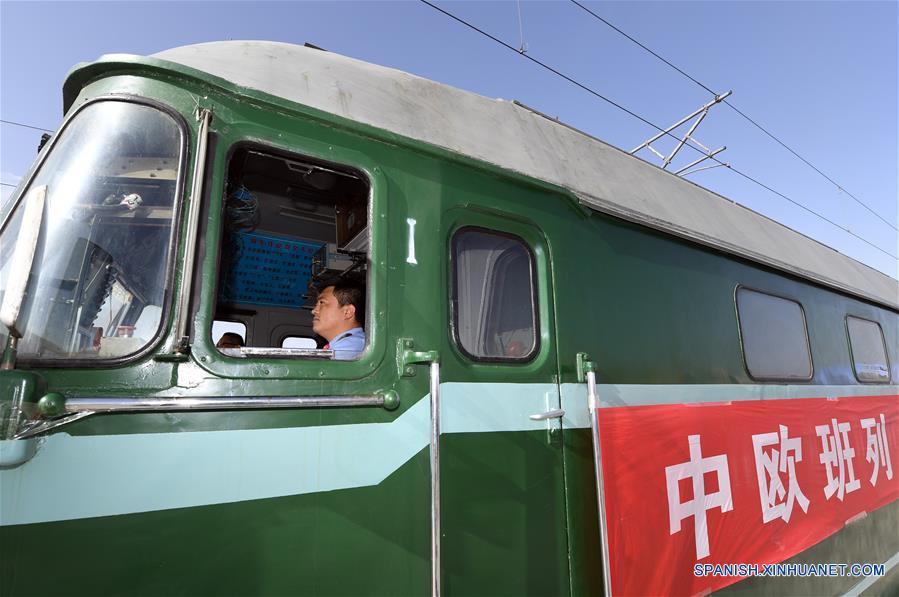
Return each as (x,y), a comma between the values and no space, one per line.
(503,515)
(657,310)
(503,494)
(365,541)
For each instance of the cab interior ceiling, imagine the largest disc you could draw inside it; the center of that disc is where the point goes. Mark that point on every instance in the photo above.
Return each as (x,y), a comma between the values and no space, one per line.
(299,199)
(296,198)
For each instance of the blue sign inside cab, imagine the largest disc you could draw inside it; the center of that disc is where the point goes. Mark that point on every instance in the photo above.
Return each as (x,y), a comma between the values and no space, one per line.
(267,269)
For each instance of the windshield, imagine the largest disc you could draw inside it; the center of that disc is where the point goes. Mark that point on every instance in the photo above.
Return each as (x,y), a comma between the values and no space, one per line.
(98,283)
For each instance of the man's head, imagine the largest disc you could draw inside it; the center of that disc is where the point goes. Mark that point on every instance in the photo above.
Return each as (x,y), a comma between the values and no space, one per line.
(340,306)
(229,340)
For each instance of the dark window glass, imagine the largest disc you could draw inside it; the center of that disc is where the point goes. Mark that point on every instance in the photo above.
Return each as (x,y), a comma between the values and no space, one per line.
(774,334)
(495,311)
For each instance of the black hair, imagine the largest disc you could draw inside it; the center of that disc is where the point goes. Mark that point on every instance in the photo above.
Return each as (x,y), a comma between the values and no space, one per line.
(349,290)
(232,338)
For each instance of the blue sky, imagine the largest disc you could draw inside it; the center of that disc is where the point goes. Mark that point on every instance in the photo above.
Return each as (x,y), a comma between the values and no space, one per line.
(821,76)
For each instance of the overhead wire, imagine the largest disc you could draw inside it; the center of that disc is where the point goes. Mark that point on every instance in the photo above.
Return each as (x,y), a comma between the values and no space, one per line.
(638,117)
(653,125)
(839,187)
(27,126)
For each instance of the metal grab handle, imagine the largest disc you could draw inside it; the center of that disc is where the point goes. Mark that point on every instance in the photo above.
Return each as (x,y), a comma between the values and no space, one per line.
(435,479)
(556,413)
(593,406)
(182,315)
(57,411)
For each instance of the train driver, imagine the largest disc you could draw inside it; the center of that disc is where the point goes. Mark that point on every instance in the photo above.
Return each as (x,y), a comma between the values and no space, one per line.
(338,315)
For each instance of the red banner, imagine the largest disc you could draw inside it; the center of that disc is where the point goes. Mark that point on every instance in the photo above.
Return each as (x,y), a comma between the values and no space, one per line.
(749,482)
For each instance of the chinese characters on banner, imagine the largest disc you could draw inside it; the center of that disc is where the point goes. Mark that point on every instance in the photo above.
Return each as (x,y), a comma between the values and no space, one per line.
(751,482)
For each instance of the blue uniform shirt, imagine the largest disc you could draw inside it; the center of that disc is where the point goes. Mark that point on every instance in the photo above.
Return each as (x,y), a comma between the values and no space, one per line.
(348,345)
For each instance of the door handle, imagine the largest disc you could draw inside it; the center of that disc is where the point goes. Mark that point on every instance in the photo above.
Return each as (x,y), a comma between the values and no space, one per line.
(556,413)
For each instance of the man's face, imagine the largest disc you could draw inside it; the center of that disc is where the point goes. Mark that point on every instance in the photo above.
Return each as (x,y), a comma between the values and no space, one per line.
(329,319)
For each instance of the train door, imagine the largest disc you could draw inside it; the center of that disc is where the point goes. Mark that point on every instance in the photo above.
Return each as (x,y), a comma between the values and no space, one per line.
(503,508)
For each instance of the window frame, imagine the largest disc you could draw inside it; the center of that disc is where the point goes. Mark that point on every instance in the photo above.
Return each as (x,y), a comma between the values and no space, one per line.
(454,297)
(177,216)
(231,366)
(741,336)
(883,342)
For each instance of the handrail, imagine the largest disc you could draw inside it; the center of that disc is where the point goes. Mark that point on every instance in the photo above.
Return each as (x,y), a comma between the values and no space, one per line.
(593,405)
(406,356)
(76,409)
(170,404)
(435,478)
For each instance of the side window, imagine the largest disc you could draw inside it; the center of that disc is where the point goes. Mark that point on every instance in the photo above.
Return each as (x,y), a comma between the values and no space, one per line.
(494,298)
(869,356)
(774,336)
(294,255)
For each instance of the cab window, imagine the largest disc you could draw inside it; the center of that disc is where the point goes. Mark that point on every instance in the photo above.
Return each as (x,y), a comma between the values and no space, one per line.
(100,277)
(292,226)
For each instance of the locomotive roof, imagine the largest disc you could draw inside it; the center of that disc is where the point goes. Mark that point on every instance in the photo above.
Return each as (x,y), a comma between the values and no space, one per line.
(516,138)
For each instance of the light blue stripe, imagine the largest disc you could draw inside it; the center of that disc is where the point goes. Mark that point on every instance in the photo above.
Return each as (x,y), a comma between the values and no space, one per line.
(87,476)
(574,395)
(574,403)
(480,408)
(81,477)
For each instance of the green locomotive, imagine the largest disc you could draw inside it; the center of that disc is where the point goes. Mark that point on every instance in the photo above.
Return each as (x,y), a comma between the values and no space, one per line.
(509,261)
